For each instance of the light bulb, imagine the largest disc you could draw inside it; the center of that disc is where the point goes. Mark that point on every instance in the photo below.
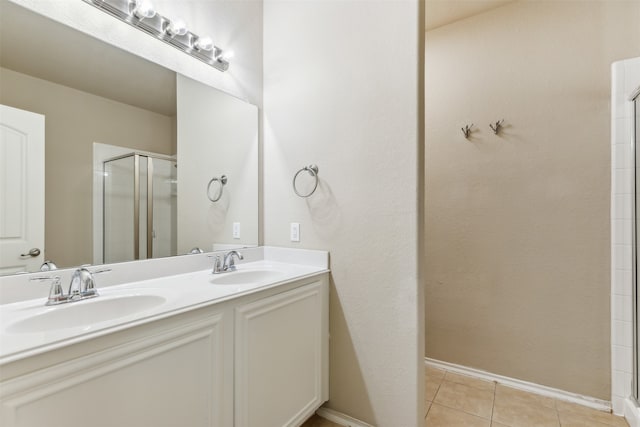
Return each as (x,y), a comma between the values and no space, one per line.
(144,9)
(227,55)
(176,27)
(204,43)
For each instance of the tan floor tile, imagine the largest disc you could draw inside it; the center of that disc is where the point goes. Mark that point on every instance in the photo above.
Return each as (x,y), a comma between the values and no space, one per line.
(440,416)
(495,424)
(519,411)
(431,388)
(572,421)
(317,421)
(464,398)
(572,414)
(434,372)
(526,397)
(470,381)
(426,411)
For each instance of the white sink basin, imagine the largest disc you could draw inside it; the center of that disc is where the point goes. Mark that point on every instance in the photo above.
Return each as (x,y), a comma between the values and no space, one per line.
(83,314)
(246,276)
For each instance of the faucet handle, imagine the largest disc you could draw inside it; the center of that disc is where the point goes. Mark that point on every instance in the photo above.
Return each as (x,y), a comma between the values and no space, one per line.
(56,294)
(217,264)
(89,286)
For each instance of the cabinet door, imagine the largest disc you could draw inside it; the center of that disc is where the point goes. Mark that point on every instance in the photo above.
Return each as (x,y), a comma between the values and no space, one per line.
(281,356)
(175,378)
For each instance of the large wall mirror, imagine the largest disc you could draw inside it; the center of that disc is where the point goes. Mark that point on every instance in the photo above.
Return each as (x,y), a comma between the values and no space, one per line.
(107,157)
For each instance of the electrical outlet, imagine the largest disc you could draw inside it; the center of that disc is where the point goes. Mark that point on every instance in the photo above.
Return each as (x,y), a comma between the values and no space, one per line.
(295,231)
(236,230)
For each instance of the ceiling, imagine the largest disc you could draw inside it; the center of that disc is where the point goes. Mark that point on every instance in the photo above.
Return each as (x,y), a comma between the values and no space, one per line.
(40,47)
(57,53)
(443,12)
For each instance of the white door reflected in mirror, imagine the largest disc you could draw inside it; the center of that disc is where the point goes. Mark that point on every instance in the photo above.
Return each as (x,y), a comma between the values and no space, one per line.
(21,190)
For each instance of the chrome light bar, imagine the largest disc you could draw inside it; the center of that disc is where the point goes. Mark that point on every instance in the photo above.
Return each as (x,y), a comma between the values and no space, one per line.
(140,14)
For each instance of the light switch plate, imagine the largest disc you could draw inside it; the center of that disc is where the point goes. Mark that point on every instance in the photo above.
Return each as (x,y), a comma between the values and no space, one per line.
(295,231)
(236,230)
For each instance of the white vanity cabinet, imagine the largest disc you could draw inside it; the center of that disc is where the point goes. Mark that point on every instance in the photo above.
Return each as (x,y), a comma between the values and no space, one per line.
(257,360)
(281,356)
(170,373)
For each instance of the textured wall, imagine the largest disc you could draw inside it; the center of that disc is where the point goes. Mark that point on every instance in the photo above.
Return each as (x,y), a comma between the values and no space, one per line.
(341,91)
(517,225)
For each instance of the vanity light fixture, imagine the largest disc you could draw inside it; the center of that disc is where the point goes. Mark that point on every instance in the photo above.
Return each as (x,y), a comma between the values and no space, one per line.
(142,15)
(203,43)
(176,27)
(143,9)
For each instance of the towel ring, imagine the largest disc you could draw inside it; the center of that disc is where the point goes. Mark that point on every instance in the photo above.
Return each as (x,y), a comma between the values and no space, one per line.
(313,171)
(222,181)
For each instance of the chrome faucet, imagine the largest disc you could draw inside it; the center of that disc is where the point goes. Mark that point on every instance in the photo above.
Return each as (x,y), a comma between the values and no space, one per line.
(82,286)
(228,264)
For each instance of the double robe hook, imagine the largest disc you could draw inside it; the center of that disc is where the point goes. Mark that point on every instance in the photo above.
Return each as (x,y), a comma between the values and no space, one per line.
(495,127)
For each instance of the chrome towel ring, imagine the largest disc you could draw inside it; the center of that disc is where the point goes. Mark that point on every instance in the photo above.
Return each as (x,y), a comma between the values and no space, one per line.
(222,181)
(313,171)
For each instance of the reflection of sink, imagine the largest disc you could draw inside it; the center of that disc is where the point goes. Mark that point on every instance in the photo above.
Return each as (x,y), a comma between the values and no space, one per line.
(82,314)
(245,276)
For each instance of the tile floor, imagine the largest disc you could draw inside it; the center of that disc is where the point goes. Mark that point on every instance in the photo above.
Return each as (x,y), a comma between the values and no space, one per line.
(455,400)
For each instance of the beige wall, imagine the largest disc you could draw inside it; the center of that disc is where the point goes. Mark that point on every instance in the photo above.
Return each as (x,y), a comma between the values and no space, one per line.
(331,98)
(74,120)
(517,225)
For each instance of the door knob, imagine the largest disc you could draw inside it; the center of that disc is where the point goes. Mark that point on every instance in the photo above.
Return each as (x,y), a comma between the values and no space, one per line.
(32,253)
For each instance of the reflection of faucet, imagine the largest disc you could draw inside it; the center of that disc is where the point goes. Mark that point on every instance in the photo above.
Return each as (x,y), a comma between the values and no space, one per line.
(48,265)
(228,264)
(82,286)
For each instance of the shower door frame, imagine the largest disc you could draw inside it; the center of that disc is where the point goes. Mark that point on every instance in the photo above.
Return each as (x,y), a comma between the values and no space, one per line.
(634,98)
(136,199)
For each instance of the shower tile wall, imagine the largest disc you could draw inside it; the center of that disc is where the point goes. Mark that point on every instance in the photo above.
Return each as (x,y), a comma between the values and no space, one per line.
(625,78)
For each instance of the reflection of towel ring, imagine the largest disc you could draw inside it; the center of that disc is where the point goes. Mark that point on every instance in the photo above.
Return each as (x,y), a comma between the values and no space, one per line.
(222,180)
(313,171)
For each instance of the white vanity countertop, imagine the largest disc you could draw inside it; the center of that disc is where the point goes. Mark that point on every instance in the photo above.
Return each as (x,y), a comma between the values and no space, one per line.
(29,327)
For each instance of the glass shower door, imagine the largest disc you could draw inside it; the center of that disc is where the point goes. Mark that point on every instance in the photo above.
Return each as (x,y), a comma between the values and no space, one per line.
(118,226)
(139,208)
(163,231)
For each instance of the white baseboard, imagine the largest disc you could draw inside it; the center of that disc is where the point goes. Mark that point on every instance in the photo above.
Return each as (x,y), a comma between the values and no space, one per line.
(340,418)
(631,413)
(591,402)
